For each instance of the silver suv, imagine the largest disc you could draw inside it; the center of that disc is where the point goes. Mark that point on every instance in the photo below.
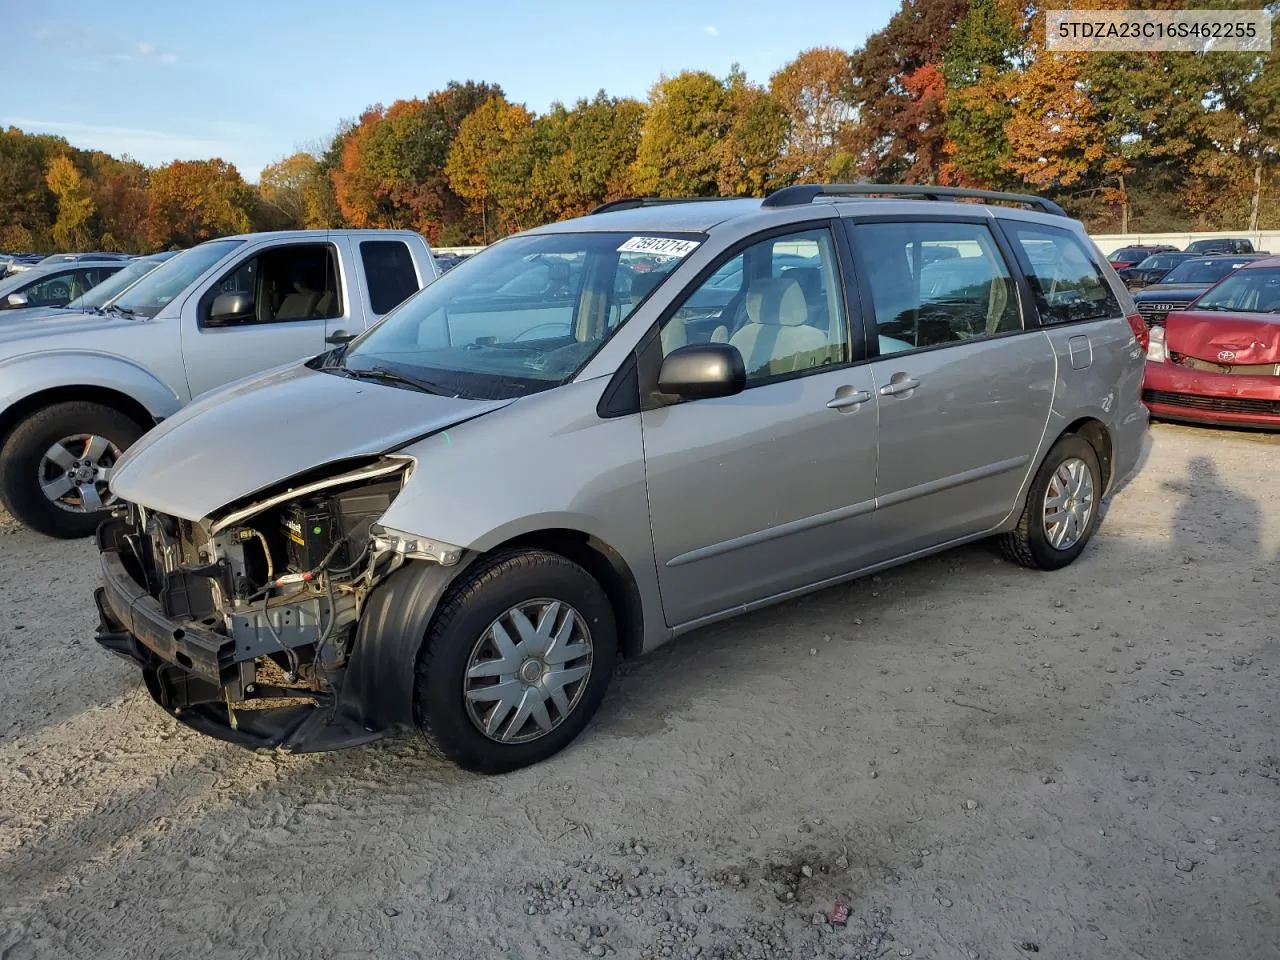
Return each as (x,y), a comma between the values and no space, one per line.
(602,433)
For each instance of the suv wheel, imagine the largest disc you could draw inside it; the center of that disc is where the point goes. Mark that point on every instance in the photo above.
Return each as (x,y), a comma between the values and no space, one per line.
(55,467)
(516,661)
(1061,511)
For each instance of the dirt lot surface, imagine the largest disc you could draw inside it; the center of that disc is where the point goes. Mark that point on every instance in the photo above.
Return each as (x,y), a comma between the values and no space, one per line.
(980,761)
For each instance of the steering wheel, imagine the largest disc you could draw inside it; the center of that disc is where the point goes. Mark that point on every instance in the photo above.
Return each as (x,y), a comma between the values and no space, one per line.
(57,291)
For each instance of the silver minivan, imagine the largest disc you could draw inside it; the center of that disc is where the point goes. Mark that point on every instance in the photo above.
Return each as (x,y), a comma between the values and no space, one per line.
(599,434)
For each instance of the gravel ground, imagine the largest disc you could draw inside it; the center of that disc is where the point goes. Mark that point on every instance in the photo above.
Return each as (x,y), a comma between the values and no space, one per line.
(978,760)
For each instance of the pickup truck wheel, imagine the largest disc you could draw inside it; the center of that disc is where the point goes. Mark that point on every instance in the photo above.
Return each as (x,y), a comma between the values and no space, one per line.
(1061,512)
(516,661)
(55,467)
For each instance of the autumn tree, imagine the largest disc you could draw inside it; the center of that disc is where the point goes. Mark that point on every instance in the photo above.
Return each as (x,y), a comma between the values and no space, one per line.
(491,164)
(757,132)
(120,194)
(196,200)
(810,91)
(897,90)
(281,186)
(686,122)
(71,231)
(27,205)
(392,167)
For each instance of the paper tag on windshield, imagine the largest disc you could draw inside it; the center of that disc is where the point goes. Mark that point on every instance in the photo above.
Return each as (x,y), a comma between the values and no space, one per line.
(659,246)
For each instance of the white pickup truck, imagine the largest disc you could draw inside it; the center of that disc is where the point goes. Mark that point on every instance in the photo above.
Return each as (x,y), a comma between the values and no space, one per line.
(75,392)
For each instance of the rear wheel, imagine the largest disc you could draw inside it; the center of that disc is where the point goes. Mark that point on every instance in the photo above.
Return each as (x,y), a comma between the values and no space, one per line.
(1061,512)
(516,661)
(56,465)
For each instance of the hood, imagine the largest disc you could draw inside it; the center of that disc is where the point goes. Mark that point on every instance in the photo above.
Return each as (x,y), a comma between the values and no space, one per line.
(1176,291)
(23,314)
(1234,339)
(236,441)
(35,324)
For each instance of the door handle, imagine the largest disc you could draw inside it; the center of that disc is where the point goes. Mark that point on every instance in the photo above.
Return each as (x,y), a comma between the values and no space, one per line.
(842,401)
(899,384)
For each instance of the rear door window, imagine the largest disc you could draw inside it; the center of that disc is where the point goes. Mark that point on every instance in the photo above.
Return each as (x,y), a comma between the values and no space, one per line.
(1067,285)
(389,271)
(935,283)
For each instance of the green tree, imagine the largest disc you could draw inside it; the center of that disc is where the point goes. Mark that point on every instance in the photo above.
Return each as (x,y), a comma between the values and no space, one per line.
(28,207)
(679,153)
(584,154)
(983,52)
(72,229)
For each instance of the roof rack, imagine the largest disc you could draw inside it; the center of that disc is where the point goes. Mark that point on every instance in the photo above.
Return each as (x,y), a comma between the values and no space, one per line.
(808,192)
(630,203)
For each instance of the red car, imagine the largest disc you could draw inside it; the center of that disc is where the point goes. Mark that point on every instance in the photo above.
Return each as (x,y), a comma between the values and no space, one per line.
(1217,360)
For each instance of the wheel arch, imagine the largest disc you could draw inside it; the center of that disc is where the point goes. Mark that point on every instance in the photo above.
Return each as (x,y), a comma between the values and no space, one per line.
(1094,432)
(18,411)
(605,564)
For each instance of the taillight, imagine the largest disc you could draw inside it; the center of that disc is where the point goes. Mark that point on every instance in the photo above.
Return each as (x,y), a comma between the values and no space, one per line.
(1141,332)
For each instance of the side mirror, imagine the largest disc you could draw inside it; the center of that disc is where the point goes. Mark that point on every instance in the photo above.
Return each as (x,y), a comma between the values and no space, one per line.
(703,371)
(339,337)
(17,300)
(229,308)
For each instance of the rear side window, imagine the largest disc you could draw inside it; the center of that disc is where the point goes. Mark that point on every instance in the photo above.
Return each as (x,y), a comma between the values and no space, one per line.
(388,267)
(1067,285)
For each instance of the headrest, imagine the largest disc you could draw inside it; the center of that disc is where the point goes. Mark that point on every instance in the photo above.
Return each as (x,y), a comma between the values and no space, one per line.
(778,301)
(809,278)
(643,283)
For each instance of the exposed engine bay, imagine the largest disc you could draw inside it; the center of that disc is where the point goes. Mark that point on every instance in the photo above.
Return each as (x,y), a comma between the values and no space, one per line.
(272,590)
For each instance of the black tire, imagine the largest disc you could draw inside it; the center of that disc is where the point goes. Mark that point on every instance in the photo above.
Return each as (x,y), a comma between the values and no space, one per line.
(481,595)
(24,448)
(1028,544)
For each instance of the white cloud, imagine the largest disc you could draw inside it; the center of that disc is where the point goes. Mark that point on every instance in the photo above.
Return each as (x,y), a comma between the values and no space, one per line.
(711,31)
(168,58)
(146,49)
(152,147)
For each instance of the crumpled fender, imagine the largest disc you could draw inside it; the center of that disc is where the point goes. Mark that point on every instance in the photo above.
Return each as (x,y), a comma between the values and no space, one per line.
(31,373)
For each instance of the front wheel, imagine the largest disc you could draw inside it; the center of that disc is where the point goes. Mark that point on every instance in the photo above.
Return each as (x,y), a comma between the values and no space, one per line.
(1061,512)
(516,661)
(56,465)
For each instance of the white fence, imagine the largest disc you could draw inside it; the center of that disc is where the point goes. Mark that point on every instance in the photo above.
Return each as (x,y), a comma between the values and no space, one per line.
(1262,239)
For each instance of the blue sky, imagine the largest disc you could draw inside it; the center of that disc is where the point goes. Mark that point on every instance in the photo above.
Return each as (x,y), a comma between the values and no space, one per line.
(252,81)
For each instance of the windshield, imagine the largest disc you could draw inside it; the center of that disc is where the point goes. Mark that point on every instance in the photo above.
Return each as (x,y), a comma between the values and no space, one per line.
(1201,271)
(150,295)
(1161,261)
(1247,291)
(1129,255)
(95,297)
(521,316)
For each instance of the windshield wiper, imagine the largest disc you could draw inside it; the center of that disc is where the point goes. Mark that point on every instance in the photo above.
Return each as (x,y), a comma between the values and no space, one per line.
(122,311)
(390,376)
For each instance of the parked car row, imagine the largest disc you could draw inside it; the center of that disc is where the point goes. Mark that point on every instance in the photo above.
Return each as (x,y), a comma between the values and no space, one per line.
(1139,266)
(11,263)
(596,435)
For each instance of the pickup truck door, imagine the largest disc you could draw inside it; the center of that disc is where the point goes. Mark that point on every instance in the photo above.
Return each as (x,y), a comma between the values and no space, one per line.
(287,297)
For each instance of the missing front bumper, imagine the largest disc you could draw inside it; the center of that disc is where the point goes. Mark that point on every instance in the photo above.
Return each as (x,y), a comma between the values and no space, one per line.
(191,672)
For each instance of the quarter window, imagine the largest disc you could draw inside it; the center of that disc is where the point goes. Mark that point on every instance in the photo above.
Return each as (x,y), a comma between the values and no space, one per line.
(1066,283)
(778,301)
(388,267)
(936,283)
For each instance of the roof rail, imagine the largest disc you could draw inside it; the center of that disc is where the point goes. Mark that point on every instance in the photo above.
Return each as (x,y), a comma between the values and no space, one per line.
(808,192)
(630,203)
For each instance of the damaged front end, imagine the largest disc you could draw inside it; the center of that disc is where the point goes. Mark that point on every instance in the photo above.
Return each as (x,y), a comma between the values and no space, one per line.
(250,625)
